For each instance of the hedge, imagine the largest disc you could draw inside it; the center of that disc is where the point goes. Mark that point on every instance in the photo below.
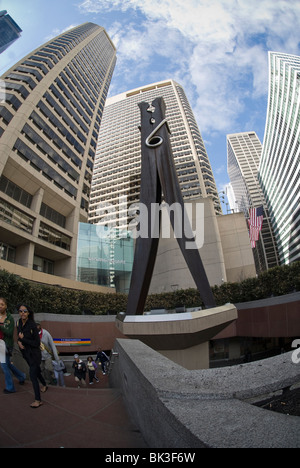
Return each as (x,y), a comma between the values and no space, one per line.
(52,299)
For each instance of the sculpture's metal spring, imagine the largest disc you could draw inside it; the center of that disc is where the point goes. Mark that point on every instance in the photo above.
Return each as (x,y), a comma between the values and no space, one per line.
(153,140)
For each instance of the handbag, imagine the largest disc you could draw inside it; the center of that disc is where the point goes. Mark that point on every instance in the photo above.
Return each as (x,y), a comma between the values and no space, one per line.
(43,347)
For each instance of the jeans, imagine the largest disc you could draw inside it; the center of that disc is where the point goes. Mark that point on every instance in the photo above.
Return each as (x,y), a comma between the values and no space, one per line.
(59,375)
(9,368)
(103,365)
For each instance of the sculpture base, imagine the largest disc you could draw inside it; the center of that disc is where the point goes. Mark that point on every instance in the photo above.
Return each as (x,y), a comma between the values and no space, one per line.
(183,337)
(196,357)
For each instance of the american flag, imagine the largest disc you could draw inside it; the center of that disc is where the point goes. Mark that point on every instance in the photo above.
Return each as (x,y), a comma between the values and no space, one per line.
(256,216)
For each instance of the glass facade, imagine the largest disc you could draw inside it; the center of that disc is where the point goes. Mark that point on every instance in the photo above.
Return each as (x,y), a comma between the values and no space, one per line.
(9,31)
(104,257)
(279,170)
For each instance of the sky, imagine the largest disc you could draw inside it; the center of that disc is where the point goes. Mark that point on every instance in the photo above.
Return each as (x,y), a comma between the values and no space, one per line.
(216,49)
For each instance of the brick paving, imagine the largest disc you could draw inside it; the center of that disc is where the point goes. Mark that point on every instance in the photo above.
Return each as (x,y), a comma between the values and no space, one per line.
(91,417)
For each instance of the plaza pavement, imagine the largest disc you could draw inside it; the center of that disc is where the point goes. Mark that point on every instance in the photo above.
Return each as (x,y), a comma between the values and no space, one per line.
(91,417)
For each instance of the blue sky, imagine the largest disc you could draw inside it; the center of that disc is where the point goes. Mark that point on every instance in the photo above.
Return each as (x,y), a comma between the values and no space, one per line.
(216,49)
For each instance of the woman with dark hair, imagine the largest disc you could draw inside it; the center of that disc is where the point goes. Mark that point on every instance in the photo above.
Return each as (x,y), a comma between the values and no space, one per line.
(29,344)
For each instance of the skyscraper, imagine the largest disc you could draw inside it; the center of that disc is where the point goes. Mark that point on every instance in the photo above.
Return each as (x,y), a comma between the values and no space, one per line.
(279,169)
(118,158)
(9,31)
(49,124)
(243,156)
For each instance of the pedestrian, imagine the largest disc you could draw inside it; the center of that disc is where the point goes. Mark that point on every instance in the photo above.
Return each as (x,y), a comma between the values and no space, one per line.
(59,368)
(7,335)
(103,358)
(92,367)
(79,370)
(49,353)
(29,344)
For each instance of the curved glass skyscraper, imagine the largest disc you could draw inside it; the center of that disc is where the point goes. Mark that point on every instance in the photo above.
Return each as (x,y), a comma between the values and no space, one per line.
(279,169)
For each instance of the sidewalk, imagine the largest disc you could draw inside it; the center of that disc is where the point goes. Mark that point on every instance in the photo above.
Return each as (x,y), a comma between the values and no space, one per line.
(92,417)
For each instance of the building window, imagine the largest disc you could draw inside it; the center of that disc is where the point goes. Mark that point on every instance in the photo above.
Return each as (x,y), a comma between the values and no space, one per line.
(7,253)
(54,237)
(43,265)
(15,192)
(15,217)
(53,215)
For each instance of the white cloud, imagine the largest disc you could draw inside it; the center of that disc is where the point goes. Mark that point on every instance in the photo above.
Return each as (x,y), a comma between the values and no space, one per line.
(217,49)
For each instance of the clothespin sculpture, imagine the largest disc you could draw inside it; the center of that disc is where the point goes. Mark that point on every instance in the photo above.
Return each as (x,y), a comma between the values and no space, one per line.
(159,177)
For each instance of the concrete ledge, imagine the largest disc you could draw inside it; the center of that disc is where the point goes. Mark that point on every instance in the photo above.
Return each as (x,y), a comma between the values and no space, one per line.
(270,301)
(177,331)
(43,278)
(174,407)
(65,318)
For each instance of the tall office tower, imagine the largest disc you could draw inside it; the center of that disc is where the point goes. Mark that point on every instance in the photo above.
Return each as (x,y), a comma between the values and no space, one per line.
(243,156)
(49,124)
(117,169)
(279,169)
(9,31)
